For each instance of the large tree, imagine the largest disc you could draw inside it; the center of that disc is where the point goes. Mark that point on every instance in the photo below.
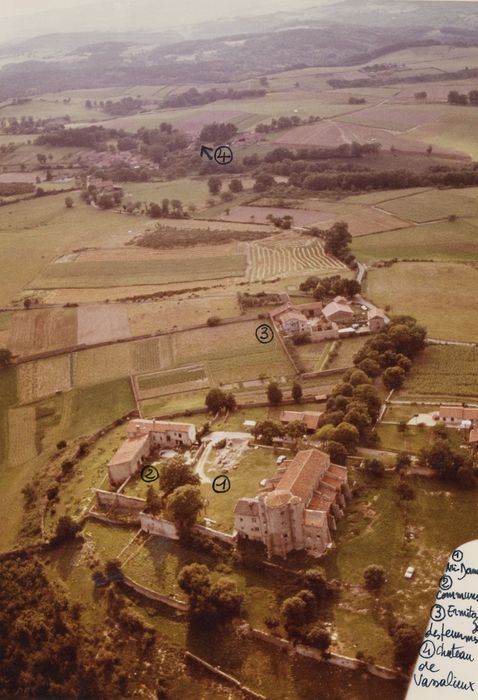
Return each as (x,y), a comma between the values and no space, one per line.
(184,505)
(214,184)
(274,394)
(174,473)
(296,392)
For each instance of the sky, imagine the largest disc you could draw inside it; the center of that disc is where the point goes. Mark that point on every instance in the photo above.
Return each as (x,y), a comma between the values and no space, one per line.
(26,18)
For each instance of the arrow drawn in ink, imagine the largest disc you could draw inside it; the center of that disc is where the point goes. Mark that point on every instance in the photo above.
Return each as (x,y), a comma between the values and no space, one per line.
(206,150)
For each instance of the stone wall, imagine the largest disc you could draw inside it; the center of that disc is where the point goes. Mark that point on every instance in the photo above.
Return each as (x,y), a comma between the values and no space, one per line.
(131,504)
(224,676)
(158,526)
(165,528)
(331,658)
(154,595)
(215,534)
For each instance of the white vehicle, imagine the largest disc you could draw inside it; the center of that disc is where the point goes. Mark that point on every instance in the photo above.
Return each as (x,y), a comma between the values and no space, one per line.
(409,572)
(280,459)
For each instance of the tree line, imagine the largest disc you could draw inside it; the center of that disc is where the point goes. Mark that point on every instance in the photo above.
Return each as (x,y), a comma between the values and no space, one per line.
(457,98)
(193,97)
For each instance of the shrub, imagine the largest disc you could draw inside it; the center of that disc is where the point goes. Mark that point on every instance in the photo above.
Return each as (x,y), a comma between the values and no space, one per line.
(213,321)
(374,577)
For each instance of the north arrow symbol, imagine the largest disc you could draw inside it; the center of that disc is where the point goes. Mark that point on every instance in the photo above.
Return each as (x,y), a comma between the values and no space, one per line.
(205,150)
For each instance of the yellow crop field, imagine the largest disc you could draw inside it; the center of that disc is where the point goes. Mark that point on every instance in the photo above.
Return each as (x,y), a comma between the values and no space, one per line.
(21,435)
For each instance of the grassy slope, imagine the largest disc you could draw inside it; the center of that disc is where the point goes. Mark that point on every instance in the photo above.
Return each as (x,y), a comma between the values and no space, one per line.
(34,233)
(443,241)
(431,293)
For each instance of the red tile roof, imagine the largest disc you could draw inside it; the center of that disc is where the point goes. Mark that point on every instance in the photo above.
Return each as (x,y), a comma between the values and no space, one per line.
(310,418)
(458,412)
(304,473)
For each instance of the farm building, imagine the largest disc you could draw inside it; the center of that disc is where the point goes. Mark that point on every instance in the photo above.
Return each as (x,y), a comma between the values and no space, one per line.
(128,458)
(294,322)
(297,509)
(312,310)
(338,311)
(163,433)
(377,320)
(310,418)
(458,416)
(143,436)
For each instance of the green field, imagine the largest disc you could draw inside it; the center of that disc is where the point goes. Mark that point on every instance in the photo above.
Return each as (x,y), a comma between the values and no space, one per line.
(139,272)
(440,241)
(456,130)
(438,295)
(431,205)
(36,232)
(444,371)
(232,352)
(253,466)
(188,190)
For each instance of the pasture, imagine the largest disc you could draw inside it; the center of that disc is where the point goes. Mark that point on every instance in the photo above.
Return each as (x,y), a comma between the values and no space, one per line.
(38,231)
(455,130)
(431,205)
(188,190)
(395,117)
(160,269)
(438,295)
(180,311)
(457,241)
(301,217)
(285,255)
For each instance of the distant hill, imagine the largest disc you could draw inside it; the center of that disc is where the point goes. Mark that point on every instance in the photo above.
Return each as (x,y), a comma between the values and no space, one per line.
(341,33)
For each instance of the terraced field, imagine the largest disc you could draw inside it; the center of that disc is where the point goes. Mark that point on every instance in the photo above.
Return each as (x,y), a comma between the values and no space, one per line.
(286,256)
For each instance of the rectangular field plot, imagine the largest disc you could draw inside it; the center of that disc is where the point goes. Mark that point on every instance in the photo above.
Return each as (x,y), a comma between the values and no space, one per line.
(41,378)
(172,381)
(443,241)
(102,322)
(444,371)
(394,117)
(179,312)
(115,361)
(21,435)
(36,331)
(232,352)
(163,270)
(287,256)
(438,294)
(301,217)
(431,205)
